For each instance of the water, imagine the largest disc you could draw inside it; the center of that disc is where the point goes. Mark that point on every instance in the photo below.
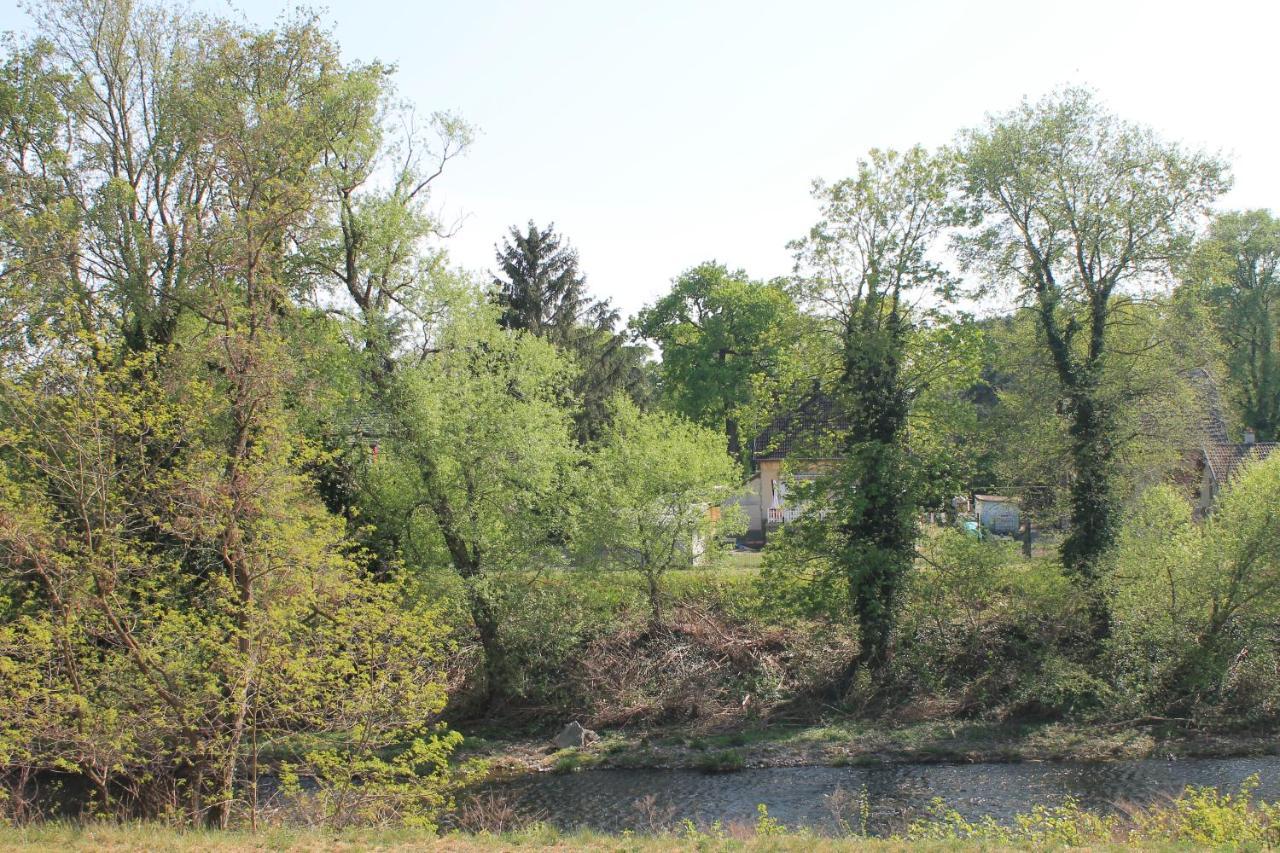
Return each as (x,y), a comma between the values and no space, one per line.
(644,800)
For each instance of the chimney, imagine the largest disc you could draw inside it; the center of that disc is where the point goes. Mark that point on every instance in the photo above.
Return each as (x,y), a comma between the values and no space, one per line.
(1250,438)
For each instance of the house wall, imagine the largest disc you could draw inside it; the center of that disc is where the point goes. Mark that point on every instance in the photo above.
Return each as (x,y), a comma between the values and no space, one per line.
(774,472)
(770,474)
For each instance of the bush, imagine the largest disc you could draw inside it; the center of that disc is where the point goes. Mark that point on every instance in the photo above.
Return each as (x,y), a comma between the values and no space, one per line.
(725,761)
(1197,606)
(984,631)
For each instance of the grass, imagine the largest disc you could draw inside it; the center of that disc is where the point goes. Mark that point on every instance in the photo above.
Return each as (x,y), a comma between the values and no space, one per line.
(572,760)
(724,761)
(116,839)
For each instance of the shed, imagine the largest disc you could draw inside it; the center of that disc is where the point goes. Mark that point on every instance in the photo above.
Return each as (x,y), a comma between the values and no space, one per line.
(998,513)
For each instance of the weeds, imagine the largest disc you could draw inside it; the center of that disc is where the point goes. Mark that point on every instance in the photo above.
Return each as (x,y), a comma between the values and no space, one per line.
(725,761)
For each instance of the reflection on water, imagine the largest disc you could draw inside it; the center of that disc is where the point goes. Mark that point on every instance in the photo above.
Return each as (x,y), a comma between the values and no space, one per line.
(614,800)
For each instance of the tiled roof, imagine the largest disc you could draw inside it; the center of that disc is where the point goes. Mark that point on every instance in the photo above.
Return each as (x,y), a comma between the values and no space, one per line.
(1211,426)
(1225,459)
(811,430)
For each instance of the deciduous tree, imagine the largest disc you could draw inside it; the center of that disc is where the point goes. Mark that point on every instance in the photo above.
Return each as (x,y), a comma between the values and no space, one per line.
(1079,205)
(719,332)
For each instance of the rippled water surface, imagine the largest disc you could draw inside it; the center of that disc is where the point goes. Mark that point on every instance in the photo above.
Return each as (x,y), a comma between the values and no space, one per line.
(614,800)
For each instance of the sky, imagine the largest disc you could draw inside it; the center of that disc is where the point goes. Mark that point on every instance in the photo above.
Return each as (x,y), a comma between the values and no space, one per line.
(662,134)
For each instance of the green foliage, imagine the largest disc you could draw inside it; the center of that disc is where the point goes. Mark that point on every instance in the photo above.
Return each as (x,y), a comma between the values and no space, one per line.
(1076,206)
(863,266)
(1201,817)
(1235,274)
(157,665)
(721,334)
(1196,603)
(472,473)
(723,761)
(654,496)
(972,602)
(541,291)
(1146,380)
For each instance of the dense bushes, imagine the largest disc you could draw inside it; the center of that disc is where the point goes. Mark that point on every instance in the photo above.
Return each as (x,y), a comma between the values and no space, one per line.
(985,632)
(167,612)
(1198,604)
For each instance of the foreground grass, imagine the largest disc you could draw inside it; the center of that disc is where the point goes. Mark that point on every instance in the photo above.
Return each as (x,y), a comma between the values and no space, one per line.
(131,838)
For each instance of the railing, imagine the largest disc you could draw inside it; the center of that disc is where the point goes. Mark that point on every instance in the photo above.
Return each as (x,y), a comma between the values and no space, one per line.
(784,515)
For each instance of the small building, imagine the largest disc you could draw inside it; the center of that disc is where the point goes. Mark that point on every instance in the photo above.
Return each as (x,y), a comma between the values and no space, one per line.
(1219,462)
(999,514)
(798,445)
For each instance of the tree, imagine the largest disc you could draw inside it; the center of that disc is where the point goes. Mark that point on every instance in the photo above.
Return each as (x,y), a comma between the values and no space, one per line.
(653,498)
(472,473)
(1148,382)
(719,331)
(157,529)
(168,606)
(541,291)
(107,157)
(370,242)
(539,287)
(1077,205)
(865,266)
(1235,272)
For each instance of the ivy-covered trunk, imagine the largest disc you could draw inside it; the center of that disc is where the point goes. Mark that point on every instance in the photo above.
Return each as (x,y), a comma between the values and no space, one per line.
(1093,506)
(878,524)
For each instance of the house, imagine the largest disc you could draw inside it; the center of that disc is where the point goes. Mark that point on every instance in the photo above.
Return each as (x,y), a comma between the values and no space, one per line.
(798,445)
(1211,465)
(1218,462)
(998,513)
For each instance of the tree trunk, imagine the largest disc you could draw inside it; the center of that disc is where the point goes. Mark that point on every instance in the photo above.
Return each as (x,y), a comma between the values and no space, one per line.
(733,437)
(878,528)
(1093,507)
(495,662)
(655,601)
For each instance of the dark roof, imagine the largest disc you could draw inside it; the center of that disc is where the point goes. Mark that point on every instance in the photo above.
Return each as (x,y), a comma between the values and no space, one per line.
(1212,426)
(811,430)
(1225,460)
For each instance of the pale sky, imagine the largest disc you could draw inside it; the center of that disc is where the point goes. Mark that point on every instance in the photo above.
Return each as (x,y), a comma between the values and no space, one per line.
(657,135)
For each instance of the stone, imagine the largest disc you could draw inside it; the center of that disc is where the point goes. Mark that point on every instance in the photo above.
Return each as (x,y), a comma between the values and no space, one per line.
(574,735)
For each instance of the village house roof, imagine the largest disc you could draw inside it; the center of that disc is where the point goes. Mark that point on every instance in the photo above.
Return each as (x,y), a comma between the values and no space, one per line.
(1224,460)
(811,430)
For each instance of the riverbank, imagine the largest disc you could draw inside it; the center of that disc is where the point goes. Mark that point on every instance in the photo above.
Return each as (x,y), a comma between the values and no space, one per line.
(859,743)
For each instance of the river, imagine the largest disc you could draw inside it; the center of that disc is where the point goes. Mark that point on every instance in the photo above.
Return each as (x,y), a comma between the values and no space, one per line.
(644,800)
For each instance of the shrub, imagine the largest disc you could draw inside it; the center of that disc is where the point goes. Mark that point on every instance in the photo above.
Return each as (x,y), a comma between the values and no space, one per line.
(724,761)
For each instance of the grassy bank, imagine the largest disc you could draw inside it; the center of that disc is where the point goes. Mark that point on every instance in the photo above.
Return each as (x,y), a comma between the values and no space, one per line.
(867,743)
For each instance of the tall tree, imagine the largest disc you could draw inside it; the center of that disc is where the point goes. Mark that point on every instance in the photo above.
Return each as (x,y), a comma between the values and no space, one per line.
(541,291)
(128,170)
(1079,204)
(471,475)
(866,265)
(1235,272)
(539,286)
(200,593)
(719,332)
